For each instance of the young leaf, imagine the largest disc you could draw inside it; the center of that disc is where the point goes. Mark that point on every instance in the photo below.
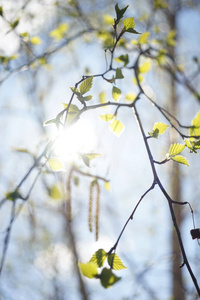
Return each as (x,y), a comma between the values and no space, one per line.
(99,257)
(175,149)
(116,93)
(86,85)
(55,164)
(119,74)
(59,32)
(197,145)
(120,12)
(52,121)
(54,192)
(89,269)
(1,11)
(143,39)
(107,185)
(106,117)
(12,196)
(129,23)
(115,262)
(158,128)
(87,157)
(180,159)
(35,40)
(117,127)
(102,97)
(72,111)
(189,145)
(123,58)
(108,278)
(145,67)
(130,97)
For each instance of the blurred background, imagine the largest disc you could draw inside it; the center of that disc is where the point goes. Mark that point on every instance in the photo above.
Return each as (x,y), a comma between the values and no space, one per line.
(46,47)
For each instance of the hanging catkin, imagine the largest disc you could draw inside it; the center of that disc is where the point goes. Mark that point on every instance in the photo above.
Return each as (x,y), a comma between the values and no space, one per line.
(90,206)
(97,210)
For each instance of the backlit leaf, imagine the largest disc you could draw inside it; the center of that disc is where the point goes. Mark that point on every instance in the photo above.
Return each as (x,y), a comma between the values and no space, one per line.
(99,257)
(158,128)
(108,278)
(129,23)
(116,93)
(72,111)
(59,32)
(108,19)
(180,159)
(115,262)
(55,164)
(107,185)
(54,192)
(130,97)
(117,127)
(145,67)
(89,269)
(143,39)
(102,97)
(86,85)
(175,149)
(35,40)
(106,117)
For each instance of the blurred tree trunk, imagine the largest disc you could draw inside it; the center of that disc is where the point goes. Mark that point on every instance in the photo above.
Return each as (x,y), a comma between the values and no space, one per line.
(178,292)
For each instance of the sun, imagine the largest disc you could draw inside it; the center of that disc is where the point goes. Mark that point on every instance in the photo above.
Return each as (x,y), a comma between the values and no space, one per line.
(79,138)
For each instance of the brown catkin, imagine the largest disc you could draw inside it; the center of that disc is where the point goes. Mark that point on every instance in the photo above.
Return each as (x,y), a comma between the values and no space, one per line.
(97,210)
(90,206)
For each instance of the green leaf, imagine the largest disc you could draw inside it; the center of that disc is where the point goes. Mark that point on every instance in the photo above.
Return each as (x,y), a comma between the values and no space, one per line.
(129,23)
(55,164)
(120,12)
(119,74)
(115,262)
(116,93)
(123,58)
(89,269)
(52,121)
(158,128)
(117,127)
(143,39)
(14,24)
(197,145)
(106,117)
(86,85)
(175,149)
(108,278)
(180,159)
(1,11)
(12,196)
(99,257)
